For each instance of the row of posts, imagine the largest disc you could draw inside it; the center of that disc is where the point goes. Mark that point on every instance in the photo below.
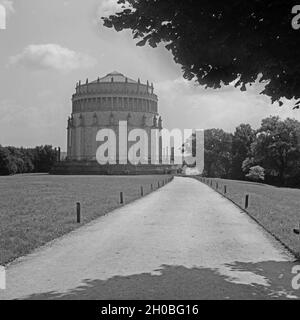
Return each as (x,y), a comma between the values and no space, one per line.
(209,182)
(246,199)
(152,187)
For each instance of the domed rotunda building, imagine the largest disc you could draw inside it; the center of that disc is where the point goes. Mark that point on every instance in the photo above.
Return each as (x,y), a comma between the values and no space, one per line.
(102,104)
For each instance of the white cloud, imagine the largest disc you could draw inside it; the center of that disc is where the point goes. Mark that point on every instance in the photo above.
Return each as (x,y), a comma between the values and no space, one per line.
(107,7)
(186,105)
(52,56)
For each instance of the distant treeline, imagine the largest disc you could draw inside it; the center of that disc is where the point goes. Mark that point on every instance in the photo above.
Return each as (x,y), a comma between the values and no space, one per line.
(270,153)
(25,160)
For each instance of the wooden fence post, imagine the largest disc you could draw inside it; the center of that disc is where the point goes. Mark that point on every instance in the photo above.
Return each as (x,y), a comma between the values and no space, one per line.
(297,231)
(246,201)
(78,212)
(121,198)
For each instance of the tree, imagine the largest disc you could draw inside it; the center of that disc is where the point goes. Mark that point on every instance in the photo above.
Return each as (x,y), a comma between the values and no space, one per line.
(27,156)
(277,147)
(6,165)
(217,153)
(247,164)
(256,173)
(16,156)
(21,160)
(242,139)
(44,158)
(218,42)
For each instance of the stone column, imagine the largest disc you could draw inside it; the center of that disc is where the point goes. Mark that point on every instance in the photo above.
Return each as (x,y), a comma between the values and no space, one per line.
(83,143)
(73,142)
(69,139)
(78,143)
(79,138)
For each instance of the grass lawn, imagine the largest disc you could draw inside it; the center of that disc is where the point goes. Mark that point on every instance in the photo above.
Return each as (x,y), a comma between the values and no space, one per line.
(35,209)
(276,209)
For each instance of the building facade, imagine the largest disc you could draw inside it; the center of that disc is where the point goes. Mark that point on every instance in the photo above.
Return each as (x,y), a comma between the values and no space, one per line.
(102,104)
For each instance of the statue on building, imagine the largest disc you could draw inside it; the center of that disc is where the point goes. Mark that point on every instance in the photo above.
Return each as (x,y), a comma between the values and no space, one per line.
(69,123)
(128,119)
(144,120)
(80,122)
(160,123)
(154,122)
(95,119)
(138,85)
(111,119)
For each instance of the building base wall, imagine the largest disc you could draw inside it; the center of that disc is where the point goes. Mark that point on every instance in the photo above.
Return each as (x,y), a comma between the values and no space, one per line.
(93,168)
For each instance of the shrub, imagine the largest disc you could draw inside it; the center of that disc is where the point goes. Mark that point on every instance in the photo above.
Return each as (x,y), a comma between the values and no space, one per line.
(256,173)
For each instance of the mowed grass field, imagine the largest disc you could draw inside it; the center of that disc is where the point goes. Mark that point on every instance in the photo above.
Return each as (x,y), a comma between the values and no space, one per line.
(35,209)
(276,209)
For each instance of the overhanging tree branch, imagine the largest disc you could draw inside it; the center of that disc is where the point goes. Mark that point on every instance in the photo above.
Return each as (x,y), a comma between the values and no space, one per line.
(218,42)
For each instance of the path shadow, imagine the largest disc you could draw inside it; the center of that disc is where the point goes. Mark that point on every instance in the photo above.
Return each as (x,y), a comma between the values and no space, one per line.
(179,282)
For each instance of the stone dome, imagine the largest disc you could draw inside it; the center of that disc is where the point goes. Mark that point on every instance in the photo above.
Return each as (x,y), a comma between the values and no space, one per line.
(115,76)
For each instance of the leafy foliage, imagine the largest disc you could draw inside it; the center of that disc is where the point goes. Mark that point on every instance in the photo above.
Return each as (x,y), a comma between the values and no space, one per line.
(44,158)
(217,153)
(256,173)
(242,139)
(20,160)
(218,42)
(247,164)
(275,146)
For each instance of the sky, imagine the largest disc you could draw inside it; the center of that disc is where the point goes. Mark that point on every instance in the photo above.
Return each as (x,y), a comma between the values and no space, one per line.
(48,46)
